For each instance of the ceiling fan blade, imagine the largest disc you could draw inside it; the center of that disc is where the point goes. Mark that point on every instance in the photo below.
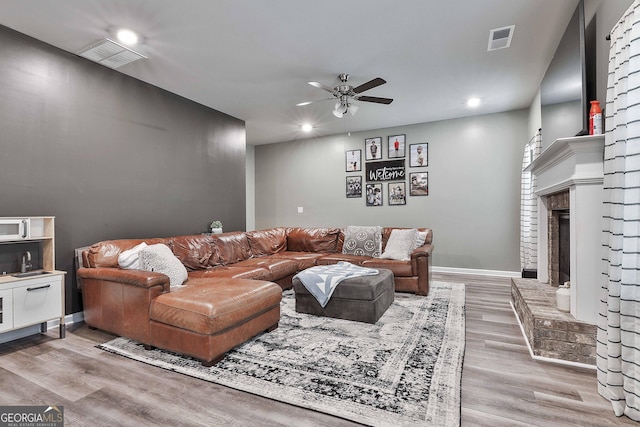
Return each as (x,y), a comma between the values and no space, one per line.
(311,102)
(375,99)
(369,85)
(322,86)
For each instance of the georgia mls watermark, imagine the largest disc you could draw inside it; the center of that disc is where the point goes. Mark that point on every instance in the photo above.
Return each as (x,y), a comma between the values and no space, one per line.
(31,416)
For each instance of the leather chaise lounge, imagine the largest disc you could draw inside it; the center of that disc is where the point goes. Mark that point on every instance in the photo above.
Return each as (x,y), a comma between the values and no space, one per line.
(233,290)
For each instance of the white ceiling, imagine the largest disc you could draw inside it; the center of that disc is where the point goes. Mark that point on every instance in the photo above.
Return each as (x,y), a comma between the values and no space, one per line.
(252,59)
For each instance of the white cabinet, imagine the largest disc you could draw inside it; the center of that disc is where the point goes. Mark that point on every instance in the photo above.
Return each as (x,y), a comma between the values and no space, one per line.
(37,300)
(6,310)
(31,297)
(31,301)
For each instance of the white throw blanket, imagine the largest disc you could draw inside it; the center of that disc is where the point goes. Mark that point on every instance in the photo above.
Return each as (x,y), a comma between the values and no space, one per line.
(322,280)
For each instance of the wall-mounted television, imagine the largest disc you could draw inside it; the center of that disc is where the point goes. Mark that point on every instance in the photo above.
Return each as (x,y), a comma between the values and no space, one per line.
(569,82)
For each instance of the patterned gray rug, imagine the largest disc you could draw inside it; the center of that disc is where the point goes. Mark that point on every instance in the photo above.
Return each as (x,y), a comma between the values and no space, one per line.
(404,370)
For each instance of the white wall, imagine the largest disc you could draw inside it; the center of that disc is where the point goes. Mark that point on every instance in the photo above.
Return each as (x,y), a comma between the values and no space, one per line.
(251,188)
(474,184)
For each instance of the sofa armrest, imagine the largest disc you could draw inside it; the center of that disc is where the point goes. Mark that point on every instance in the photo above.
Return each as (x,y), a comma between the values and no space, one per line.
(421,267)
(118,301)
(140,278)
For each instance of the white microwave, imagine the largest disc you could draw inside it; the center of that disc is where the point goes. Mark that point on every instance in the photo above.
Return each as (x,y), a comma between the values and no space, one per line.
(14,229)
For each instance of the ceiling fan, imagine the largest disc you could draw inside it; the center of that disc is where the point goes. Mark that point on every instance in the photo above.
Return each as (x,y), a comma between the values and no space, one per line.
(346,94)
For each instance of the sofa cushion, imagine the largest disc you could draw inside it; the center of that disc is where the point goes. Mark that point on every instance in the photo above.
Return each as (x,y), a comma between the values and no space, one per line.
(312,239)
(336,258)
(194,252)
(267,242)
(229,271)
(130,259)
(231,248)
(399,268)
(160,259)
(363,241)
(213,305)
(400,244)
(303,259)
(278,268)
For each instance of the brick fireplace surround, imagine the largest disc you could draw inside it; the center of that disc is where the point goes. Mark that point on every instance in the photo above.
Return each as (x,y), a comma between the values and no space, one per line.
(570,177)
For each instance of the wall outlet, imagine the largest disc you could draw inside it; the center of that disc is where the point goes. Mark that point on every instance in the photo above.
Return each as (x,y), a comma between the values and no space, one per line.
(300,209)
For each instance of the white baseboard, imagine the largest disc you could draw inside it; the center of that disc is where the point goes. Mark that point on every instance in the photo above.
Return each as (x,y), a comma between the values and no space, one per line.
(475,272)
(542,358)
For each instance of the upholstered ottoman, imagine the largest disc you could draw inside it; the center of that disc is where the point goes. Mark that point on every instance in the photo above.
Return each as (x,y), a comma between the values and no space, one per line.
(209,317)
(363,299)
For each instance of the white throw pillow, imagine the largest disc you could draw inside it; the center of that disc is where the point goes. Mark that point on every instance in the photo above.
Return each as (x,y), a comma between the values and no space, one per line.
(422,237)
(130,259)
(160,259)
(366,241)
(400,244)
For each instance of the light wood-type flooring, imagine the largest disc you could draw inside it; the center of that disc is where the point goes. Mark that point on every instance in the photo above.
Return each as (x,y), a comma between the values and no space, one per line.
(501,384)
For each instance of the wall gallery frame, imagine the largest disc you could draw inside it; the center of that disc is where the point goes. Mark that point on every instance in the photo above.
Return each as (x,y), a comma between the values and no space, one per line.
(373,148)
(396,146)
(397,193)
(374,195)
(419,184)
(354,187)
(353,160)
(419,155)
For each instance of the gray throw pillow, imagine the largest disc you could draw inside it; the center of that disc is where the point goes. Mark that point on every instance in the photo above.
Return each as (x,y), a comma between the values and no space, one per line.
(160,259)
(363,240)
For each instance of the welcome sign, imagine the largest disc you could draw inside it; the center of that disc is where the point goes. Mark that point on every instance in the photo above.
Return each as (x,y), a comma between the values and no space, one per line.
(390,170)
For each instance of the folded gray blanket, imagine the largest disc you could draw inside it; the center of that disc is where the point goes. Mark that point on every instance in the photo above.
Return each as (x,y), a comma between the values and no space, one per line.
(322,280)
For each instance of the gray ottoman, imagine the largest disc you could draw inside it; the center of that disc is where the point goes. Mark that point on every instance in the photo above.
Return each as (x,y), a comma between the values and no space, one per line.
(363,299)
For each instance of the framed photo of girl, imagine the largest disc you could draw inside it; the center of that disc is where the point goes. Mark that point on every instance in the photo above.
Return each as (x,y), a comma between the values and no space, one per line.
(419,155)
(373,148)
(353,160)
(396,146)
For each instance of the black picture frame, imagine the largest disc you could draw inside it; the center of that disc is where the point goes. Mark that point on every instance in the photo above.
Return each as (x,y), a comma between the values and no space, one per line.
(419,183)
(374,195)
(396,146)
(373,148)
(353,161)
(397,192)
(353,186)
(419,155)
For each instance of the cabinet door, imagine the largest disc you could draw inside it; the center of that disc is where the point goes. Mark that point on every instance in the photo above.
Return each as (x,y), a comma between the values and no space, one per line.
(37,301)
(6,310)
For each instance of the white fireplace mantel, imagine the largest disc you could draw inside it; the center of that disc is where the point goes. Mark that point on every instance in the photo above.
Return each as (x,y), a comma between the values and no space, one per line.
(574,164)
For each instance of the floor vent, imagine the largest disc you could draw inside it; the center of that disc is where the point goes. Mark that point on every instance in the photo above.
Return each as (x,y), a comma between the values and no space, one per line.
(500,38)
(110,54)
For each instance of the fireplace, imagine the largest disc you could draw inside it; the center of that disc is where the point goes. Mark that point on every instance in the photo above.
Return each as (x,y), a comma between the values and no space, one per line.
(570,178)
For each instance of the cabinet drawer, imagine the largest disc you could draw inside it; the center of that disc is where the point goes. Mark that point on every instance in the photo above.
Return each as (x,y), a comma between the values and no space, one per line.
(37,301)
(6,310)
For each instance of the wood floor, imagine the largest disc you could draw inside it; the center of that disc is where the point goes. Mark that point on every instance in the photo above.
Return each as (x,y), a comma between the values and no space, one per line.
(501,384)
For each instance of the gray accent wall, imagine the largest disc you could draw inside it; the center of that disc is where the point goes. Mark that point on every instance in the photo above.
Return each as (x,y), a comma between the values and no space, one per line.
(108,155)
(473,205)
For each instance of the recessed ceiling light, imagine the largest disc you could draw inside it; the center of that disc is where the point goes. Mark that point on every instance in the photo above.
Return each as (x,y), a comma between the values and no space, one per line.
(127,37)
(307,127)
(473,102)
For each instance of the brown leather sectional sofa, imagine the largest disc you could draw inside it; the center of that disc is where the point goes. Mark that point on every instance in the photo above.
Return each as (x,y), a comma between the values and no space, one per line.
(231,292)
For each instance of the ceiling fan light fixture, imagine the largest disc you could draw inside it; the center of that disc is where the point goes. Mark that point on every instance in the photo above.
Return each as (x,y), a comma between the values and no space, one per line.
(338,113)
(353,109)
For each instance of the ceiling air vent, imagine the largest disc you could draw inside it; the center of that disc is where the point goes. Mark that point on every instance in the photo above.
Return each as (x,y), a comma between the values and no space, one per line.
(500,38)
(110,54)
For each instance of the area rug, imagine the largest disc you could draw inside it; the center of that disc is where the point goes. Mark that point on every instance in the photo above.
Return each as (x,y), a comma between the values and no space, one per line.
(403,370)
